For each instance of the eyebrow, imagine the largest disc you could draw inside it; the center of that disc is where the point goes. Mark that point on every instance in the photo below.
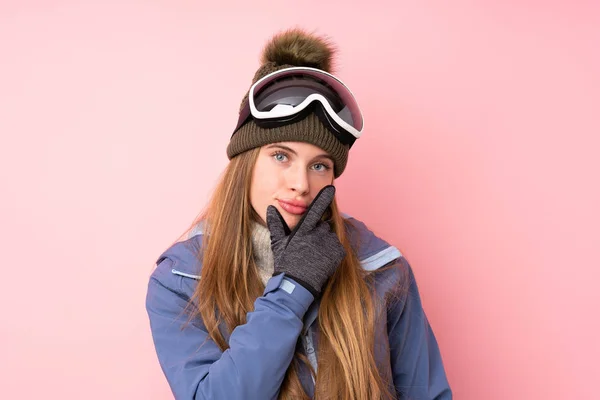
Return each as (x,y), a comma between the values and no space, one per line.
(324,155)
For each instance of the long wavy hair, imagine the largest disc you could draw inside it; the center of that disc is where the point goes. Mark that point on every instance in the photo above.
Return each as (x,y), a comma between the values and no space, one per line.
(230,284)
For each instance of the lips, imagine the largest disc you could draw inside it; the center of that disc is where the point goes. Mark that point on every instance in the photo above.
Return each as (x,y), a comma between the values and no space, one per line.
(293,207)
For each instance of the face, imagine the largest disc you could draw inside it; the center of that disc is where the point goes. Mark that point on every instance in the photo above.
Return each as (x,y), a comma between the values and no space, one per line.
(288,175)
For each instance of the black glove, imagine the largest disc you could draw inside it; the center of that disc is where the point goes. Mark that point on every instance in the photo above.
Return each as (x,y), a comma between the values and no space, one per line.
(311,253)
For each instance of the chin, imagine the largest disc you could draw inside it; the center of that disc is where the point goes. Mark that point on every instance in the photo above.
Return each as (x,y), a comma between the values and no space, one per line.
(292,222)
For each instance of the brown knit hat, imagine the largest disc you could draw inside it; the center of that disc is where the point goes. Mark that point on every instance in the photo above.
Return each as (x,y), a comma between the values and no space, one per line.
(292,48)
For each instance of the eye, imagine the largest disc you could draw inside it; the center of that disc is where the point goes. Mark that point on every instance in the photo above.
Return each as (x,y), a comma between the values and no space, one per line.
(320,167)
(279,156)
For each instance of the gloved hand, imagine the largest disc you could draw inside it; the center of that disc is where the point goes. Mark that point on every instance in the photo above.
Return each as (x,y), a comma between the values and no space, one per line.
(312,252)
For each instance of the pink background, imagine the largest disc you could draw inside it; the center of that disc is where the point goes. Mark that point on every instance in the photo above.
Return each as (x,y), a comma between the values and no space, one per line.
(480,162)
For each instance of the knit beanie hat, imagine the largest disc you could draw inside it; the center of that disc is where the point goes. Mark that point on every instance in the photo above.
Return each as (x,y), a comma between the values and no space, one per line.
(292,48)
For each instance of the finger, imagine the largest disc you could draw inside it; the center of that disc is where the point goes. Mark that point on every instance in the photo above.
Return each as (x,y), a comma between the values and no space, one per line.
(316,209)
(276,224)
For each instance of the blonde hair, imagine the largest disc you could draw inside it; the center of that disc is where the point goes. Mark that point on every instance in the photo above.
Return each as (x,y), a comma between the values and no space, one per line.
(230,284)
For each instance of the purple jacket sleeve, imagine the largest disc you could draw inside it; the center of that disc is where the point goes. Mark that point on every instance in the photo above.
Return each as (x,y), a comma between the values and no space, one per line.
(417,367)
(260,350)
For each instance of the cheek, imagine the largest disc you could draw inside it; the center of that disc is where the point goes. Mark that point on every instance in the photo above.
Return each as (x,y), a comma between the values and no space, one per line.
(318,182)
(262,189)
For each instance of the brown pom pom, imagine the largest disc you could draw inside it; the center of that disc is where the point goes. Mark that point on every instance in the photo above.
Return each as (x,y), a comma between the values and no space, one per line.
(301,49)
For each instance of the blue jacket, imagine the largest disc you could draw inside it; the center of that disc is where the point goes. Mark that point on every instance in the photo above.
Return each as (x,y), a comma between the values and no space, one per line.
(261,350)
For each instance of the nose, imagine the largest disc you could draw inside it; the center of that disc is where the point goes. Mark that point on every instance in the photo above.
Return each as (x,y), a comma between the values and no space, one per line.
(297,180)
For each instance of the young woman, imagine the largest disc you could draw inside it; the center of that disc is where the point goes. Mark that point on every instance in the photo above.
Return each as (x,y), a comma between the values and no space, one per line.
(276,294)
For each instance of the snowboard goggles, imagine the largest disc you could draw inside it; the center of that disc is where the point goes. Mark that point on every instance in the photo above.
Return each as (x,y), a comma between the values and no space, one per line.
(289,95)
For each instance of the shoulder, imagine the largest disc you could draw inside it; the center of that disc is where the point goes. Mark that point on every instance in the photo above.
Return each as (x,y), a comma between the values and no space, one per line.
(373,251)
(394,280)
(391,272)
(182,259)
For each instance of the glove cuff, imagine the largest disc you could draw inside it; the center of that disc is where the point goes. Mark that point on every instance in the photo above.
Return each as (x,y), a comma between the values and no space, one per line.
(316,293)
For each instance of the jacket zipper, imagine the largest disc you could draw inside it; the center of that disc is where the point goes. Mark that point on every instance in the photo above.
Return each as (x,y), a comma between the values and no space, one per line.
(310,351)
